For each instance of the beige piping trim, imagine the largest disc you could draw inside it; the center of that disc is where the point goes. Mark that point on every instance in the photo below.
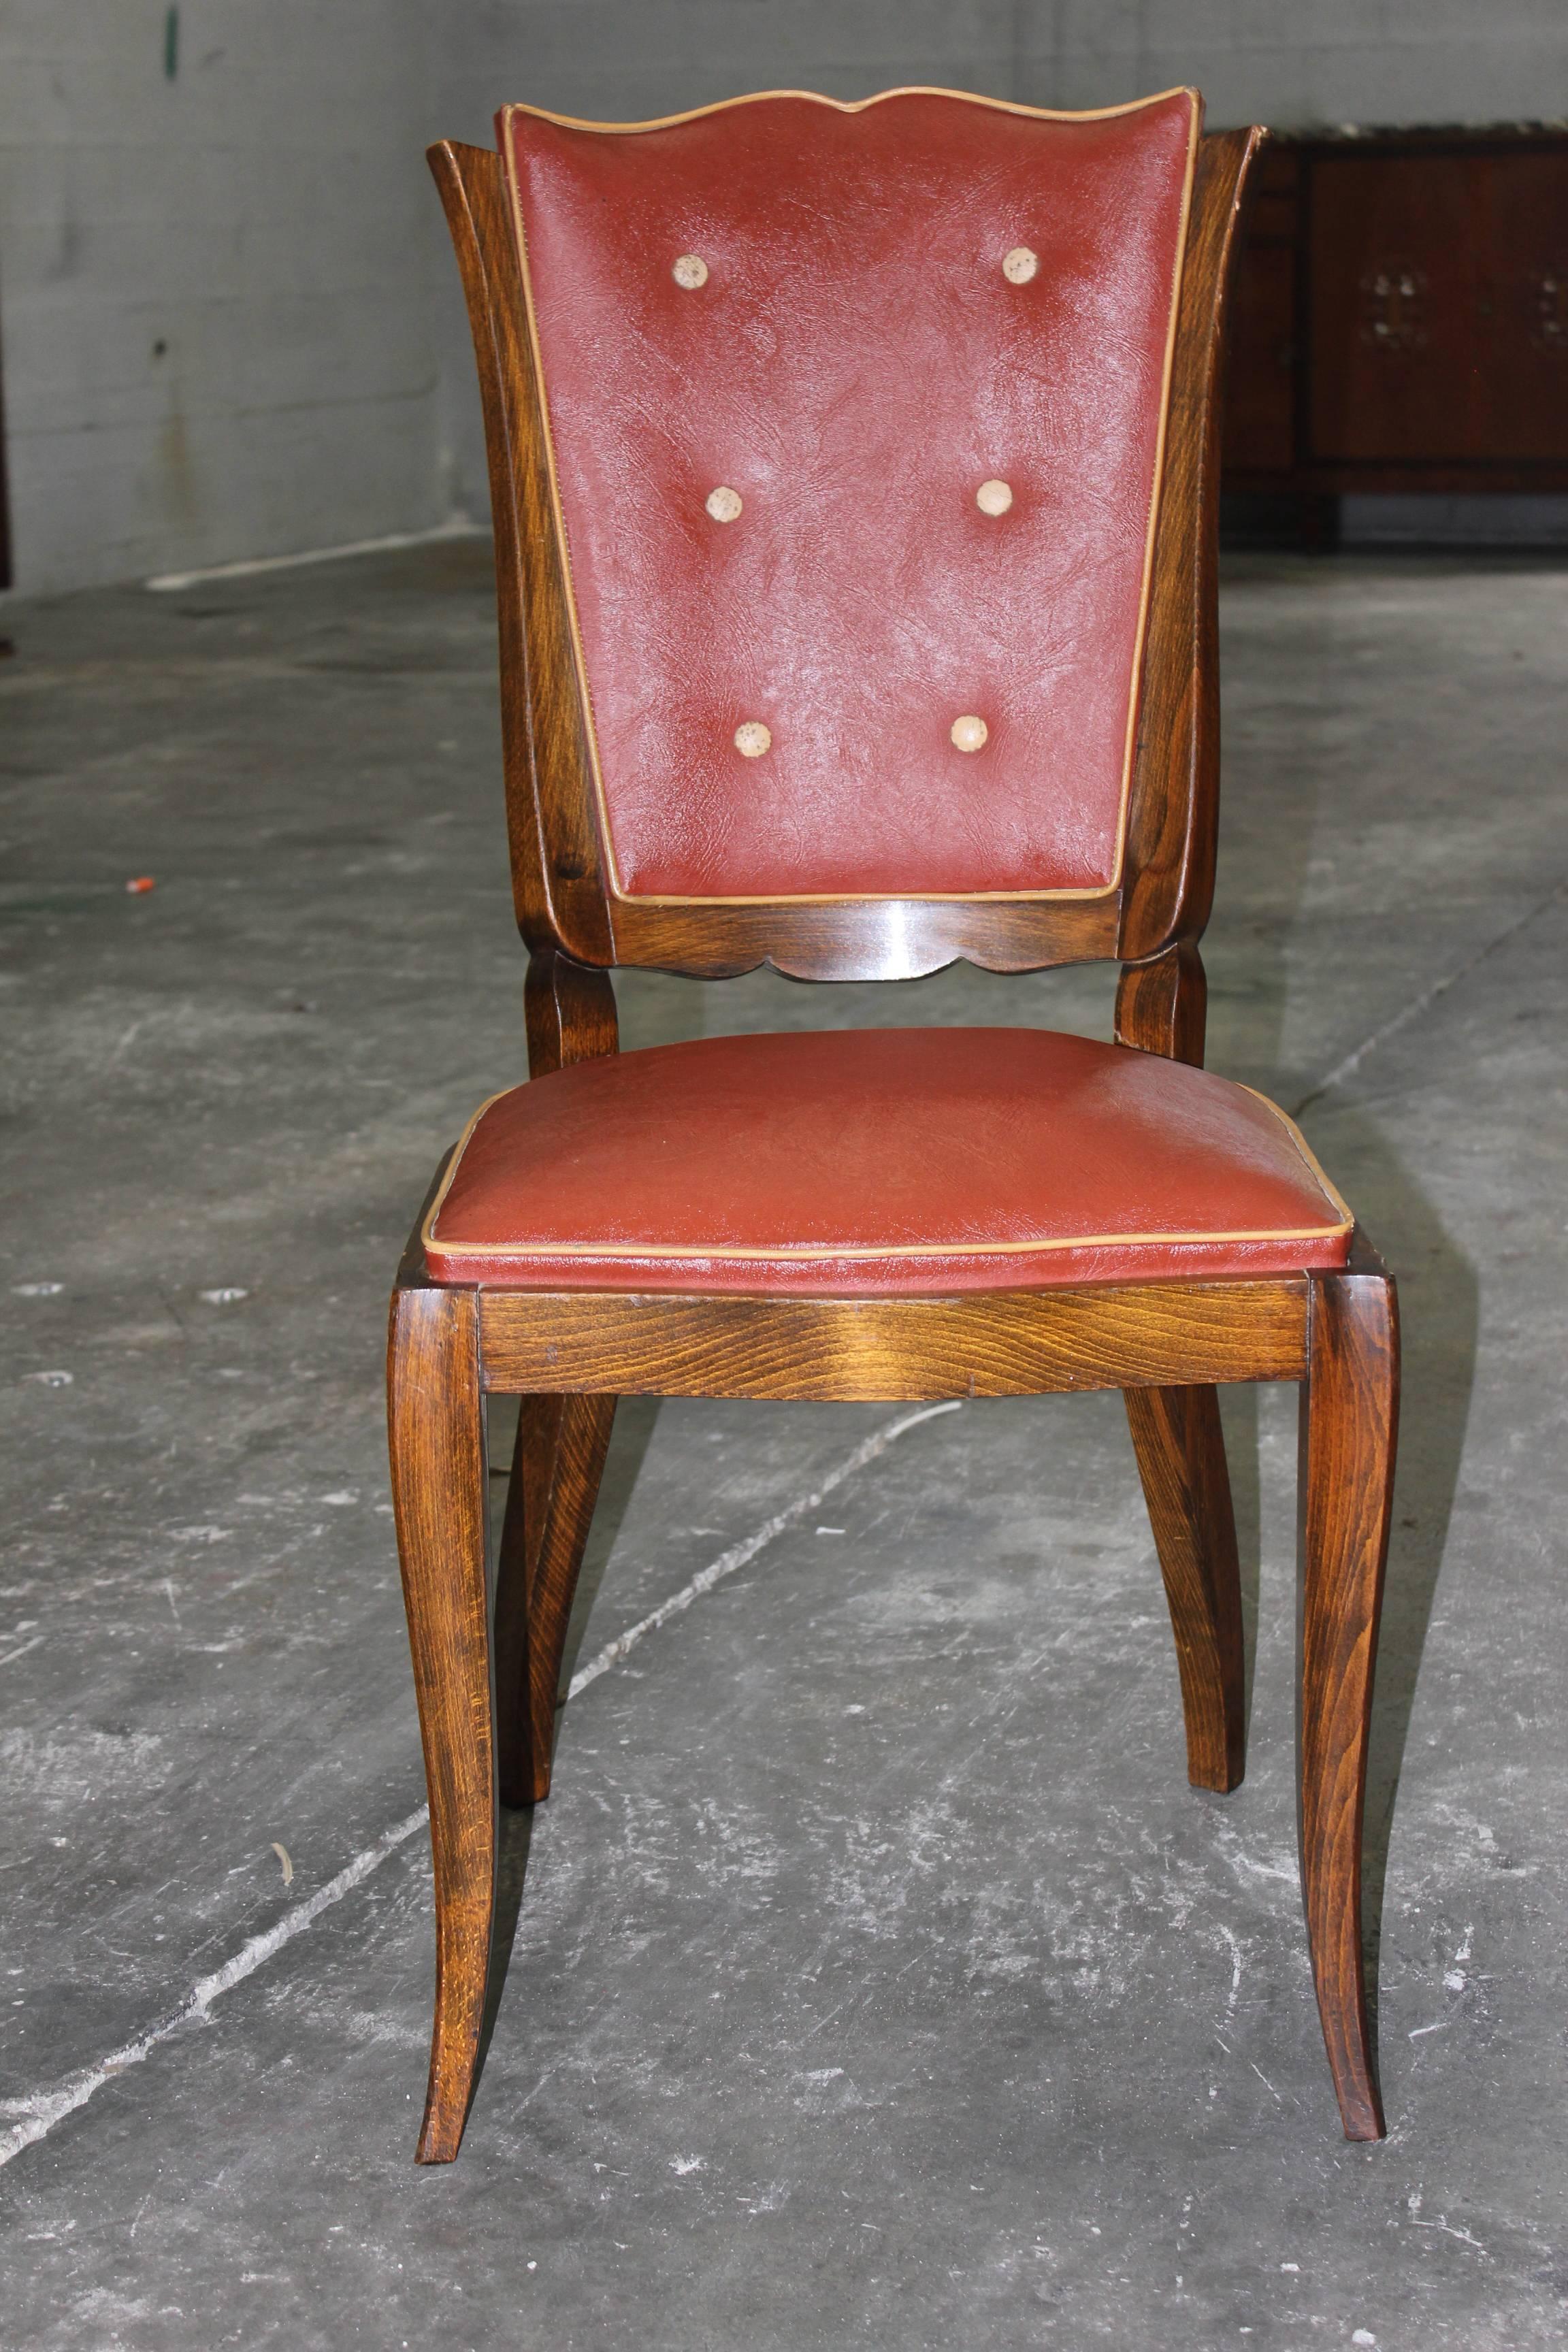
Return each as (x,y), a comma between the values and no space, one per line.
(1306,1153)
(857,106)
(799,1254)
(427,1230)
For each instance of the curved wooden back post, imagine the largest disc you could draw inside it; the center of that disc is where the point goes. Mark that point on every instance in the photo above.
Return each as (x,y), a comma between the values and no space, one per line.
(564,906)
(1172,833)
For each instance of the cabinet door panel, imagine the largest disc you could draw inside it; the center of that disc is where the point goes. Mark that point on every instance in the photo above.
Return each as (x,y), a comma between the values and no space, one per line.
(1523,306)
(1394,273)
(1260,382)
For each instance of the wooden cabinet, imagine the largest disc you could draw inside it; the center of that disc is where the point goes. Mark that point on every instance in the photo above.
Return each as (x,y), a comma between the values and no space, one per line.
(1400,318)
(1260,388)
(7,578)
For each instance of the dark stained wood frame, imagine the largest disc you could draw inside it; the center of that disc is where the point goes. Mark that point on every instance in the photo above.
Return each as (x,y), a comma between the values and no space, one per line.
(487,1647)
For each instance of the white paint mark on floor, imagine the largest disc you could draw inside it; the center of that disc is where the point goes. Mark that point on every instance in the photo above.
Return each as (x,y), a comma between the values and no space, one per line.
(1286,1871)
(38,2112)
(1228,1936)
(1273,2095)
(1466,2237)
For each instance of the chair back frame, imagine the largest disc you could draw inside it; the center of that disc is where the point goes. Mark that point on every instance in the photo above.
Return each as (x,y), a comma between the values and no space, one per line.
(1153,919)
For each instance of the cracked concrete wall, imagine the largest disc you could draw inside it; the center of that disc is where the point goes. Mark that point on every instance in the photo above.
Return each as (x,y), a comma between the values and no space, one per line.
(231,322)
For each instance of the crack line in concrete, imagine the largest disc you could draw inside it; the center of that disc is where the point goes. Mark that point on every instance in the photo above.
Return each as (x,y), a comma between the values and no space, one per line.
(38,2112)
(1428,996)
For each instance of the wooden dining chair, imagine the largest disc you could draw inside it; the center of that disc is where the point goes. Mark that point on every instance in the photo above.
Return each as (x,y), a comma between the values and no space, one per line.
(854,473)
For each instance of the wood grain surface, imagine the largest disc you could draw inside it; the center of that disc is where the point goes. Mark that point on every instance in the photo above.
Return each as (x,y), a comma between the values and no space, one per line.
(570,1011)
(559,1459)
(435,1428)
(1174,814)
(1350,1415)
(1180,1446)
(988,1343)
(558,886)
(1162,1006)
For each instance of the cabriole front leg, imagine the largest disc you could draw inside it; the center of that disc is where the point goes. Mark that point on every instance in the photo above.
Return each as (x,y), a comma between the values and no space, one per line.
(436,1434)
(1350,1411)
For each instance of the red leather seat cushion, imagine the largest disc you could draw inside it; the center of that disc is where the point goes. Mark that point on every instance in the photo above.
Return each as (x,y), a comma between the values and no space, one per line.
(880,1161)
(854,366)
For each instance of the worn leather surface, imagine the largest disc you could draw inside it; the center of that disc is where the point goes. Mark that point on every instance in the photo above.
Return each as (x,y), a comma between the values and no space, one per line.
(890,1160)
(854,367)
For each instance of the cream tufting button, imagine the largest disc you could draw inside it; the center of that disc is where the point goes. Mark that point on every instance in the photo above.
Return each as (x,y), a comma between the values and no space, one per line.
(1017,266)
(690,271)
(969,733)
(994,497)
(752,740)
(723,504)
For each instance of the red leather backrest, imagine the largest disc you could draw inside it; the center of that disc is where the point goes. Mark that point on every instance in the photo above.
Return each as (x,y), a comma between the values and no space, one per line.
(854,366)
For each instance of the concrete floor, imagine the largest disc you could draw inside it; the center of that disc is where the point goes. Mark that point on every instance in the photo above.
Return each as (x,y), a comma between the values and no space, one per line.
(877,1978)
